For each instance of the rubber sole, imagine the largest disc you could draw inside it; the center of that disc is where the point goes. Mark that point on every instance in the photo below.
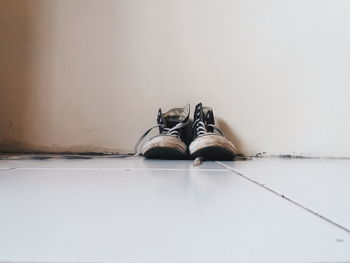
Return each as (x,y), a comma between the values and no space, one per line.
(213,153)
(165,153)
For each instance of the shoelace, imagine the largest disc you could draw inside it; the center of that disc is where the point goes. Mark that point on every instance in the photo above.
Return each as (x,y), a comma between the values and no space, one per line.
(201,128)
(167,131)
(171,132)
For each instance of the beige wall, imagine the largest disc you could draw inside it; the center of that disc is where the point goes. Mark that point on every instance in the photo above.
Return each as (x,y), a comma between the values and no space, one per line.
(89,75)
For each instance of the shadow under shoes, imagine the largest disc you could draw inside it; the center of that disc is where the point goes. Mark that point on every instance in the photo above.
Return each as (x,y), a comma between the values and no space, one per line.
(170,143)
(206,143)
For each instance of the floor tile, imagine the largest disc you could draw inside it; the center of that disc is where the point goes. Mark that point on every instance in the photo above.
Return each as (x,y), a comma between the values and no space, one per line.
(156,216)
(319,184)
(106,162)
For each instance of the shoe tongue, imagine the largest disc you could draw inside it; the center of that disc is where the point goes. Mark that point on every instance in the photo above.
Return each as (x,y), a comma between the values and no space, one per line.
(161,121)
(198,114)
(209,120)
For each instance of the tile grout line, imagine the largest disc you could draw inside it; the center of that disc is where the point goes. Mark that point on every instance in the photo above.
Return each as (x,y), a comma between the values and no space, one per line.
(118,169)
(286,198)
(7,169)
(48,261)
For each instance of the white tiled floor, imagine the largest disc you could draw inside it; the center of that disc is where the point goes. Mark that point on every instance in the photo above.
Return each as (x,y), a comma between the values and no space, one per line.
(134,210)
(322,185)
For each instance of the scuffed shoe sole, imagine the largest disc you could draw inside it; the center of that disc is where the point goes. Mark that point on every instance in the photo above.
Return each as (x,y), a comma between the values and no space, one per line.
(212,147)
(165,147)
(213,153)
(165,153)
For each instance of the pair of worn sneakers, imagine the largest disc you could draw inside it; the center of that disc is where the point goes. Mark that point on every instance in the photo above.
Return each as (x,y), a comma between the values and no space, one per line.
(181,138)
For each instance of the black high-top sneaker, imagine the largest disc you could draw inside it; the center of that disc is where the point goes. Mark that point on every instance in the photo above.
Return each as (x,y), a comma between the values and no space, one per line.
(171,141)
(206,143)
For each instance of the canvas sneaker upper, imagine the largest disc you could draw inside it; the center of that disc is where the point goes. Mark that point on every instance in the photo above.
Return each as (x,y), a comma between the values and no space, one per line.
(170,143)
(208,141)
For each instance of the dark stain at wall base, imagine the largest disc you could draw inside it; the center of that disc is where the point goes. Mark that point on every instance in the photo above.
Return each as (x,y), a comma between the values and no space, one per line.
(40,157)
(74,157)
(48,156)
(17,147)
(288,156)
